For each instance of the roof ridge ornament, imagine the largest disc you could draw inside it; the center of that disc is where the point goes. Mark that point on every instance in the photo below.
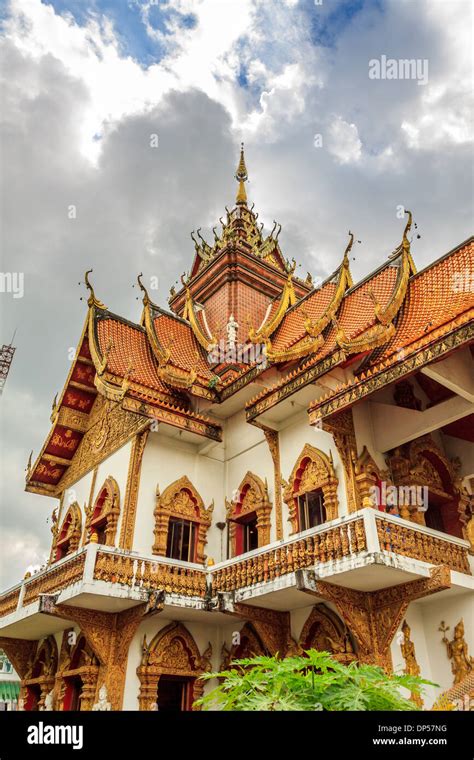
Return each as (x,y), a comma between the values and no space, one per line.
(92,300)
(384,327)
(344,281)
(146,298)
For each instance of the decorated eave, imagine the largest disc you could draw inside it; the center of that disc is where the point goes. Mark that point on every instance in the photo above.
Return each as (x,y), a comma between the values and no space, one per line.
(370,320)
(308,325)
(113,362)
(69,418)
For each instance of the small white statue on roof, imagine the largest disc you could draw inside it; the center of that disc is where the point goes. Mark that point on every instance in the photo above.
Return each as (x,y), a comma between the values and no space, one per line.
(231,329)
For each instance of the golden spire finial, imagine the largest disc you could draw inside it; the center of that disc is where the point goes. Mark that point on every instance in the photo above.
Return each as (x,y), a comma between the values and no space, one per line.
(241,176)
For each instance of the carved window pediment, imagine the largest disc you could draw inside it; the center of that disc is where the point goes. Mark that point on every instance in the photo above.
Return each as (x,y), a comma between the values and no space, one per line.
(325,631)
(172,652)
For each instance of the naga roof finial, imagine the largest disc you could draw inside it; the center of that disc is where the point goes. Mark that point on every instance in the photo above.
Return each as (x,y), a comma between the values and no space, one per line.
(349,246)
(146,297)
(405,241)
(92,300)
(241,176)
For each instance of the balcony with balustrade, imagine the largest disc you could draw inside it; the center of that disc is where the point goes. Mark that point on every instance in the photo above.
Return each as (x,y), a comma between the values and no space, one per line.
(365,551)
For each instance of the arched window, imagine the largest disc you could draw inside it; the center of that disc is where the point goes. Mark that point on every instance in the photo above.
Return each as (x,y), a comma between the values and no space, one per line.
(248,516)
(68,534)
(181,522)
(311,492)
(102,517)
(427,482)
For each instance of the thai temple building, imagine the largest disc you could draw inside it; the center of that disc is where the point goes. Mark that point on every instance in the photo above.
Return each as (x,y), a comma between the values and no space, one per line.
(271,465)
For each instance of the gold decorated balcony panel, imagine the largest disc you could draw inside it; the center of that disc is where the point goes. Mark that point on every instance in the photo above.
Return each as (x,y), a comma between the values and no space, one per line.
(366,532)
(148,574)
(55,579)
(9,601)
(344,545)
(412,542)
(322,545)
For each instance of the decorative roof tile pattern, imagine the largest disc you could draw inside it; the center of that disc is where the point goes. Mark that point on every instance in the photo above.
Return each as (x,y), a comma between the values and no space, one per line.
(355,314)
(292,328)
(186,353)
(435,296)
(130,347)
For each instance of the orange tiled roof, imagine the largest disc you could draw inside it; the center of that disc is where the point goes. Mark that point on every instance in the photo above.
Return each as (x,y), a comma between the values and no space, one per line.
(432,301)
(129,346)
(435,303)
(355,315)
(292,328)
(435,296)
(186,353)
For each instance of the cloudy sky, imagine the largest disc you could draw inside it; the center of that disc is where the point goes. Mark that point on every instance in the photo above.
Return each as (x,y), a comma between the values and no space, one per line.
(87,84)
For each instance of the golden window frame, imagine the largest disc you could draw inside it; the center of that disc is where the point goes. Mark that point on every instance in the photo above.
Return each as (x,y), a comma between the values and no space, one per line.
(252,497)
(181,500)
(313,470)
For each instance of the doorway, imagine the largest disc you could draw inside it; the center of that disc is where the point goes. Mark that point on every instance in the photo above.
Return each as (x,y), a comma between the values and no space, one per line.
(175,694)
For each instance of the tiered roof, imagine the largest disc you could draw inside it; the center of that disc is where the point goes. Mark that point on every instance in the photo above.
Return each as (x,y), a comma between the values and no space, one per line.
(165,361)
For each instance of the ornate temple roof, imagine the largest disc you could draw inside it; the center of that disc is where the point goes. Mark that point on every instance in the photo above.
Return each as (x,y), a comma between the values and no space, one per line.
(159,367)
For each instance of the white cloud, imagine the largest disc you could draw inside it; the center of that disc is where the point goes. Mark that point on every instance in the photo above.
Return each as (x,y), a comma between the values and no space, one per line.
(344,142)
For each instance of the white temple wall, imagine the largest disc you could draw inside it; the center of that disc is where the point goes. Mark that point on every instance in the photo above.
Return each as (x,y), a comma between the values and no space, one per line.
(424,618)
(414,618)
(449,609)
(361,414)
(116,466)
(464,450)
(298,619)
(240,436)
(78,492)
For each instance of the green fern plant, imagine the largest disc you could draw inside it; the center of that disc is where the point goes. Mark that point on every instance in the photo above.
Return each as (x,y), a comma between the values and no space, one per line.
(312,682)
